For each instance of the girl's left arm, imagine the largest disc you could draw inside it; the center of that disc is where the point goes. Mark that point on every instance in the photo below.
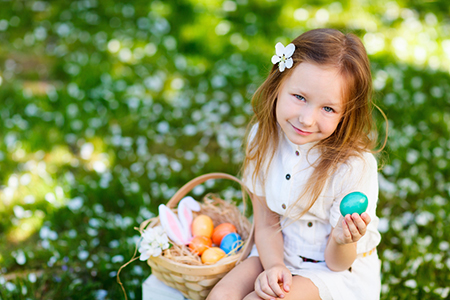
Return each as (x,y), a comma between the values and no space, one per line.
(340,252)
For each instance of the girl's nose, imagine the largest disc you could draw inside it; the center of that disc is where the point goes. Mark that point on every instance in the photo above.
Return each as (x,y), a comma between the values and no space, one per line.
(306,117)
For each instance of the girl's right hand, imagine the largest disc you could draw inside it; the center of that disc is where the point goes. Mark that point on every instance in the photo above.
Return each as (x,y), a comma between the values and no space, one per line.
(273,283)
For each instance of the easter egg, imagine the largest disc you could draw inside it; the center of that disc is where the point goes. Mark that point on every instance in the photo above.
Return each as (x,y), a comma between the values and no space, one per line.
(222,230)
(202,225)
(355,202)
(199,244)
(231,242)
(212,255)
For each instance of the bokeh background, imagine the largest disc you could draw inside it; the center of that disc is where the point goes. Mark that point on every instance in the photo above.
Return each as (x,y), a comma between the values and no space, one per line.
(108,107)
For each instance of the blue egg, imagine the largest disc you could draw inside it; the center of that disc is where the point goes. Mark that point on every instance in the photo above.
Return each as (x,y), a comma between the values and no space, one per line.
(231,242)
(355,202)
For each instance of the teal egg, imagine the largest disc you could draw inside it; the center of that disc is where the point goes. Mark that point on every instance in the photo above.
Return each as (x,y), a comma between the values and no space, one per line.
(231,242)
(355,202)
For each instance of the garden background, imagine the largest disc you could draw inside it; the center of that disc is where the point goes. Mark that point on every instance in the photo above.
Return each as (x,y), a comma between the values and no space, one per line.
(108,107)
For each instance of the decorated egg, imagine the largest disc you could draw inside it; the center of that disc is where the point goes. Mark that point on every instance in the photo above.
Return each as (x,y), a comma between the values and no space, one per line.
(231,242)
(212,255)
(222,230)
(199,244)
(202,225)
(355,202)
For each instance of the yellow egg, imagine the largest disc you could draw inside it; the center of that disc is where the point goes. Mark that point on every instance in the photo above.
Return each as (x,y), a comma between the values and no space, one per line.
(212,255)
(202,225)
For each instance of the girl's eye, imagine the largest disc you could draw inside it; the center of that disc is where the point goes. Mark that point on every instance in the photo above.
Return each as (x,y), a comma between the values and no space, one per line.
(301,98)
(328,109)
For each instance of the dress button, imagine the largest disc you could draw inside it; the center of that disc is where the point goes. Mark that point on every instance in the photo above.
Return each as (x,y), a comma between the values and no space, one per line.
(297,153)
(283,206)
(310,224)
(288,176)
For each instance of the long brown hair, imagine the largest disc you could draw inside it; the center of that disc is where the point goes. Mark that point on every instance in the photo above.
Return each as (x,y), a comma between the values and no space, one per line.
(356,131)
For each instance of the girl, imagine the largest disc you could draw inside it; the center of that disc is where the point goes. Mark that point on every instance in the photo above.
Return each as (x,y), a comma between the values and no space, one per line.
(311,144)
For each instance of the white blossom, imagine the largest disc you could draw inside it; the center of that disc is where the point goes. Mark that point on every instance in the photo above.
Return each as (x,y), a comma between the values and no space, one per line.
(154,241)
(283,56)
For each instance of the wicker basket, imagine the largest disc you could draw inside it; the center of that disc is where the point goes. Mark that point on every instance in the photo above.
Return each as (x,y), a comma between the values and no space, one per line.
(196,281)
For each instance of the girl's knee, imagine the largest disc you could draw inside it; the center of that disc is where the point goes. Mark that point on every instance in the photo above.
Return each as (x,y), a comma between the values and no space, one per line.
(252,296)
(221,293)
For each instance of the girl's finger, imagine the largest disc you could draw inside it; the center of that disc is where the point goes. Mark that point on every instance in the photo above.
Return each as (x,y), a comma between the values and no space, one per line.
(346,231)
(265,288)
(352,227)
(360,224)
(276,288)
(287,281)
(259,291)
(366,218)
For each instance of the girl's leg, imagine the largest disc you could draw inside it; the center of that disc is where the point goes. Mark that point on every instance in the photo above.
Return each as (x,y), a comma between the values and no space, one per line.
(239,282)
(302,289)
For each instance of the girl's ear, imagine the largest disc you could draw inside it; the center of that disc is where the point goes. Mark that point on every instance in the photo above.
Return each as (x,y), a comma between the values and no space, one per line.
(172,226)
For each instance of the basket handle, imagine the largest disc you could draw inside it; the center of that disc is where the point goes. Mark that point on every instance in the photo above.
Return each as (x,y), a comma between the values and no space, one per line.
(185,189)
(199,180)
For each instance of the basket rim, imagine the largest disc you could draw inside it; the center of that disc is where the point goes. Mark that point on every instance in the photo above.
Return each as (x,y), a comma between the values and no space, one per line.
(217,268)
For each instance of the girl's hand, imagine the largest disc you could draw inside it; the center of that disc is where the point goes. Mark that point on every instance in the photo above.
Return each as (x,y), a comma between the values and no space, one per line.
(273,283)
(351,229)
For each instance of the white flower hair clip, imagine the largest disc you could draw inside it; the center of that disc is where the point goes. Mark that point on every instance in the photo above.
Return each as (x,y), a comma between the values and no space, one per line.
(283,56)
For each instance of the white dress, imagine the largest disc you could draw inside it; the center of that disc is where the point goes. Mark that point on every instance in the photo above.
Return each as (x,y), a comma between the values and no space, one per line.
(307,237)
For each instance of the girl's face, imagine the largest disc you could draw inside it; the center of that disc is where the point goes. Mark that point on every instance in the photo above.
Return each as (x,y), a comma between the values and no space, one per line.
(310,104)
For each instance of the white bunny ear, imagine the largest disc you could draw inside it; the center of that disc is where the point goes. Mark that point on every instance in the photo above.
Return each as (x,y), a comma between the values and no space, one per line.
(185,215)
(172,226)
(190,203)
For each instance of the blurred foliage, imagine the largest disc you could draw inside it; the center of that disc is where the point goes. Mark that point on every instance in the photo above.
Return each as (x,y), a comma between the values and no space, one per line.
(108,107)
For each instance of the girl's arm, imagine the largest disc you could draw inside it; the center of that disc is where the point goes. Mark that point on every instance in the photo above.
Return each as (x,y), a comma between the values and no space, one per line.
(269,242)
(340,252)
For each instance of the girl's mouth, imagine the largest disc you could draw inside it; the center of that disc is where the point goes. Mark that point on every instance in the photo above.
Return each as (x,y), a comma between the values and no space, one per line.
(301,132)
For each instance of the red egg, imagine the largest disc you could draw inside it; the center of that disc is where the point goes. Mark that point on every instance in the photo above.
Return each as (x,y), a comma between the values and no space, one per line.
(202,225)
(199,244)
(222,230)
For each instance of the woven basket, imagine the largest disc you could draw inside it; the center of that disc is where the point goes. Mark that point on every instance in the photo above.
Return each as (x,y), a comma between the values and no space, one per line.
(196,281)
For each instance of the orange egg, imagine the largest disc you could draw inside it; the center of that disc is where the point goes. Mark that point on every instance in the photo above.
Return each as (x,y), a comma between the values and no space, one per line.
(222,230)
(202,225)
(199,244)
(212,255)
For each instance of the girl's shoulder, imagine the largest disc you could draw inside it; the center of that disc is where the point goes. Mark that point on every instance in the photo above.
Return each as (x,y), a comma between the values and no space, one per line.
(359,164)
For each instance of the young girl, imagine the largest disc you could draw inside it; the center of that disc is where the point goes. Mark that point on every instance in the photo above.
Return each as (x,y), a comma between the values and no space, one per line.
(310,145)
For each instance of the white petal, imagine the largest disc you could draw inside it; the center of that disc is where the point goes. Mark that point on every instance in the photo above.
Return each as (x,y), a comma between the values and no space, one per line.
(289,63)
(281,66)
(275,59)
(144,256)
(289,50)
(279,49)
(157,252)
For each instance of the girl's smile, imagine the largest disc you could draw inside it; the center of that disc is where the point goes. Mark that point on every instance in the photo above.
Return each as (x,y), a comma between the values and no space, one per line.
(301,132)
(309,103)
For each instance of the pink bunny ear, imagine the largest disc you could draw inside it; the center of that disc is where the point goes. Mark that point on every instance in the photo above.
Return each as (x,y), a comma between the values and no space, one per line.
(172,226)
(185,208)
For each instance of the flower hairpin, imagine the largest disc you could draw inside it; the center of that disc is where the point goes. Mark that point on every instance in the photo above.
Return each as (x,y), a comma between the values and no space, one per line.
(283,56)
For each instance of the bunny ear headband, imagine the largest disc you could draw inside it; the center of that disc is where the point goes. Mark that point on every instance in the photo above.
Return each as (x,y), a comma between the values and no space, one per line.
(283,56)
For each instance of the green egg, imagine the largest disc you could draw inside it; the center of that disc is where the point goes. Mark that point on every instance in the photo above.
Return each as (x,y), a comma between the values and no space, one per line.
(355,202)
